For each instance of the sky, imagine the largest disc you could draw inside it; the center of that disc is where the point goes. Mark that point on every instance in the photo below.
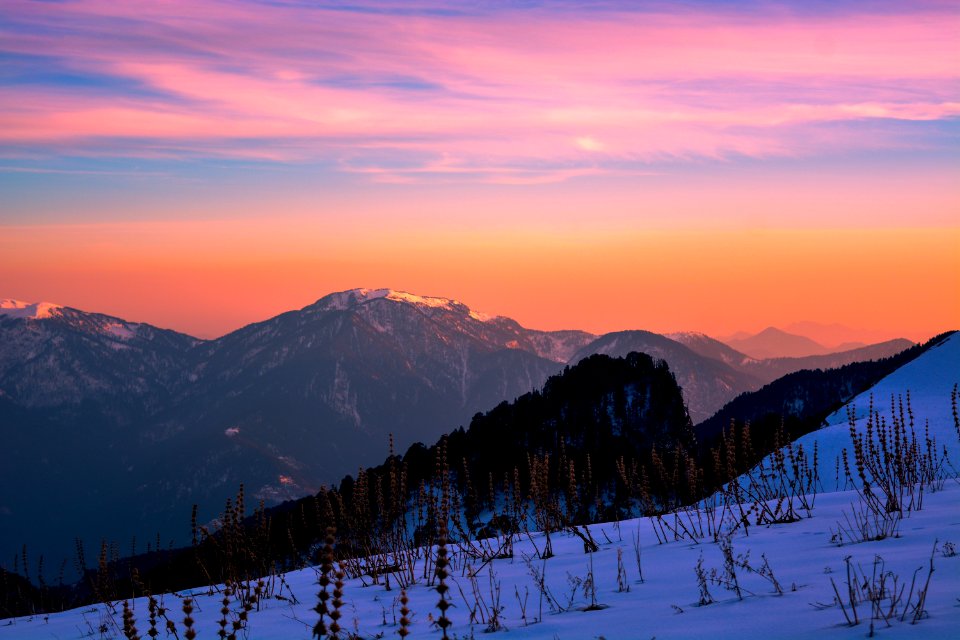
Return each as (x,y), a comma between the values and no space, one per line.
(713,166)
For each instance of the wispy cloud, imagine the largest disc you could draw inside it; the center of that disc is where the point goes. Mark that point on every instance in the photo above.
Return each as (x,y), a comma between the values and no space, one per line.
(537,92)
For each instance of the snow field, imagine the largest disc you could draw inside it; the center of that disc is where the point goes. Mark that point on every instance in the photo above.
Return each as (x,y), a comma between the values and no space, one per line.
(665,605)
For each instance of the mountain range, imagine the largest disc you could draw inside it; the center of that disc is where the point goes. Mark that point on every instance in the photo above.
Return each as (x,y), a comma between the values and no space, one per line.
(798,342)
(96,412)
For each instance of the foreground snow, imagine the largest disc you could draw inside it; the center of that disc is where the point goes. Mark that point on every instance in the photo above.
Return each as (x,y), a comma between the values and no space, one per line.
(665,605)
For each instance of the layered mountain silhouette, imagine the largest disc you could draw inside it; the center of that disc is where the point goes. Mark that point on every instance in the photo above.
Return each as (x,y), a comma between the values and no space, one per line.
(836,335)
(711,373)
(102,416)
(707,382)
(805,339)
(776,343)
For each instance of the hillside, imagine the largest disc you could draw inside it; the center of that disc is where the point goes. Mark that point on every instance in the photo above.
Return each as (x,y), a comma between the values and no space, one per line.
(793,578)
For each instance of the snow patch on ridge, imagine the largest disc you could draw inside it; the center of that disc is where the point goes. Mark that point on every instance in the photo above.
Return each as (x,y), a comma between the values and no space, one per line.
(680,336)
(421,301)
(32,310)
(114,328)
(119,330)
(482,317)
(344,300)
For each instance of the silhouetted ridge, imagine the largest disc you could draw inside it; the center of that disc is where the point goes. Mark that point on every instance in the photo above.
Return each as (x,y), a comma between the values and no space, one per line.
(707,383)
(602,407)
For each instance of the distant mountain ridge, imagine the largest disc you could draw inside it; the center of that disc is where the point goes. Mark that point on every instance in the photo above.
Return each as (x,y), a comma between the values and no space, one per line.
(57,356)
(836,335)
(354,367)
(776,343)
(804,339)
(772,368)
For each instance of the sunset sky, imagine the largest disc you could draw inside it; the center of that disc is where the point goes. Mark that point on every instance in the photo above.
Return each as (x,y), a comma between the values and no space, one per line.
(714,166)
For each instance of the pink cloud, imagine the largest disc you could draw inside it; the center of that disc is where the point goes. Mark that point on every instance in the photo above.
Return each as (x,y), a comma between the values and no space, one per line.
(581,92)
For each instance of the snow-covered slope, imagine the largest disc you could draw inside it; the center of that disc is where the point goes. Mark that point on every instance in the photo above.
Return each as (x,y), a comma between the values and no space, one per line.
(19,309)
(665,605)
(495,331)
(928,380)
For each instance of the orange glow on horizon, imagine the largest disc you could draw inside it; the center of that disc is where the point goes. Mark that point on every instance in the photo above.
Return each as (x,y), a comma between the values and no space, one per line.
(208,278)
(688,166)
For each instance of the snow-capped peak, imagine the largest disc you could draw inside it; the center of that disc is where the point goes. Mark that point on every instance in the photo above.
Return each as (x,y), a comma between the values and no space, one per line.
(33,310)
(687,336)
(421,301)
(343,300)
(348,299)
